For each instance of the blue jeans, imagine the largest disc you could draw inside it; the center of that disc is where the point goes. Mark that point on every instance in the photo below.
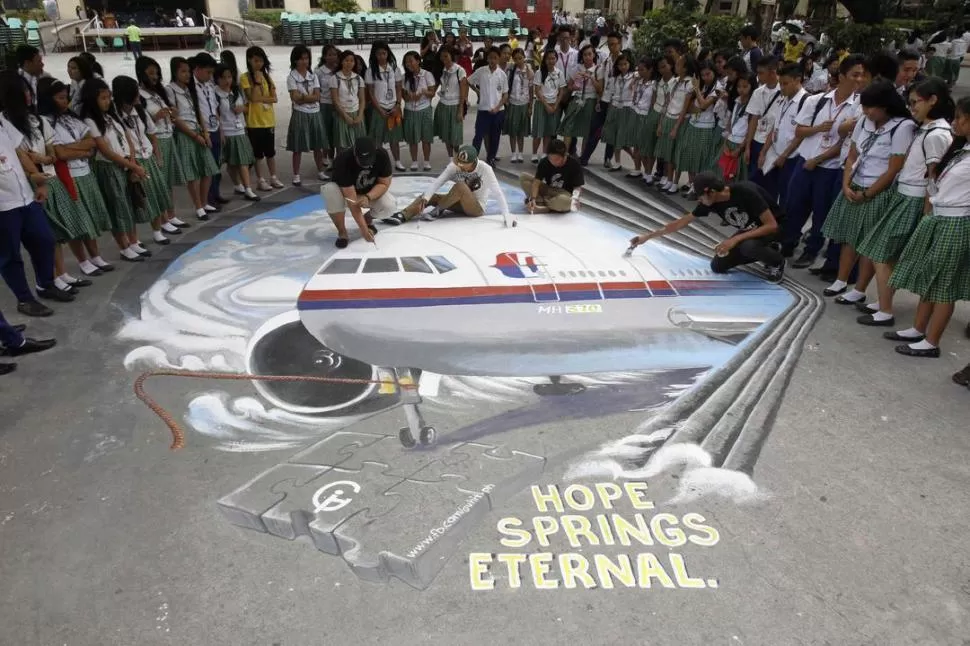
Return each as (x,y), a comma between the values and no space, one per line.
(26,225)
(216,149)
(490,125)
(809,192)
(9,337)
(595,132)
(777,179)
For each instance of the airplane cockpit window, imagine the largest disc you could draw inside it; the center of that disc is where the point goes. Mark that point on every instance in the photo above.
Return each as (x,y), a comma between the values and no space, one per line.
(380,265)
(442,264)
(342,266)
(416,264)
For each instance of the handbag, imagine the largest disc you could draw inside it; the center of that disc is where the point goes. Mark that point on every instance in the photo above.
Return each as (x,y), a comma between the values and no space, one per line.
(728,165)
(63,173)
(139,198)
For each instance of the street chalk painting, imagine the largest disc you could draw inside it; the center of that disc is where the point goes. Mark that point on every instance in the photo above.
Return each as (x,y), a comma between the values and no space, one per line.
(455,345)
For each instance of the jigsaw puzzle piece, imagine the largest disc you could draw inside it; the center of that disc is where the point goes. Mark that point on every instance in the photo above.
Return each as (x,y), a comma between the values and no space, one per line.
(498,472)
(396,460)
(335,449)
(414,541)
(246,505)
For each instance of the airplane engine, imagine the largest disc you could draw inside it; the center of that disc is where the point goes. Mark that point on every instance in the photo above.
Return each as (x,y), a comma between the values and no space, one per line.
(282,346)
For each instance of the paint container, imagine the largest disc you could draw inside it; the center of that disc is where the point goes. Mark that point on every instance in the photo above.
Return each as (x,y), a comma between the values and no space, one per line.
(629,251)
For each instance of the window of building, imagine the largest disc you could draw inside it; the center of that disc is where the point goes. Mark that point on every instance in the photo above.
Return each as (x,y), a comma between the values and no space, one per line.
(383,4)
(380,265)
(416,264)
(442,264)
(342,266)
(269,4)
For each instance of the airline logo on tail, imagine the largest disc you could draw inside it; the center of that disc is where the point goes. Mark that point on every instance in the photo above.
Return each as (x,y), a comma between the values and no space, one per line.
(517,264)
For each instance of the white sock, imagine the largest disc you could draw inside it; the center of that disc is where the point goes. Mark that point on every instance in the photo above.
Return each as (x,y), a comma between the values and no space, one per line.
(129,253)
(100,262)
(60,283)
(176,222)
(909,333)
(138,246)
(873,307)
(200,212)
(854,295)
(240,188)
(158,237)
(209,207)
(87,266)
(881,316)
(922,345)
(249,192)
(837,285)
(168,227)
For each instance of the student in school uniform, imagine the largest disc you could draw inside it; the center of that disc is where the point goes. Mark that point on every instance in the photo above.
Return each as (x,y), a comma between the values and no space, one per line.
(695,143)
(585,84)
(933,108)
(954,60)
(935,264)
(203,65)
(644,124)
(817,177)
(305,133)
(383,80)
(877,151)
(492,86)
(237,151)
(518,115)
(348,92)
(619,129)
(762,113)
(550,90)
(449,114)
(418,87)
(606,71)
(649,140)
(328,65)
(731,164)
(669,128)
(15,344)
(777,159)
(257,86)
(566,55)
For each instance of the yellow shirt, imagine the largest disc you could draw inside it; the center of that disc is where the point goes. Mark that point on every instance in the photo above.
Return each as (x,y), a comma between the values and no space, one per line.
(258,115)
(134,34)
(514,43)
(793,52)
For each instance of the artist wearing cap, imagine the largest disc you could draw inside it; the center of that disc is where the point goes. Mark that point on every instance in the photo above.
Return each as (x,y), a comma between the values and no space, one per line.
(557,184)
(474,184)
(743,205)
(361,179)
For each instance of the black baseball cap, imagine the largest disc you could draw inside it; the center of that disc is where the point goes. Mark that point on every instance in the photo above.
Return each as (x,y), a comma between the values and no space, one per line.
(365,151)
(707,180)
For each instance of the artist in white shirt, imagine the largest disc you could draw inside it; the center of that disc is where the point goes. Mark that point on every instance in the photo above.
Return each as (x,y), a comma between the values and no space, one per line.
(474,183)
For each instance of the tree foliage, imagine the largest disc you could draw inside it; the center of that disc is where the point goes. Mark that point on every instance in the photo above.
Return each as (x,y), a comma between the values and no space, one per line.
(339,6)
(721,32)
(862,38)
(659,25)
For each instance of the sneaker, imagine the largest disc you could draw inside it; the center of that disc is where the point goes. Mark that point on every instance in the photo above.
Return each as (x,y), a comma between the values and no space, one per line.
(414,166)
(275,182)
(431,215)
(649,180)
(804,260)
(264,185)
(427,165)
(322,176)
(399,166)
(296,180)
(776,274)
(395,220)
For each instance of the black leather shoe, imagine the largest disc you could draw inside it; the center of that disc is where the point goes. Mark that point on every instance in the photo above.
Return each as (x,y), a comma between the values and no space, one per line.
(96,272)
(106,267)
(34,308)
(7,368)
(803,261)
(162,242)
(828,275)
(930,353)
(870,320)
(963,377)
(863,307)
(842,300)
(30,346)
(80,282)
(202,218)
(54,294)
(20,327)
(137,258)
(144,253)
(222,200)
(892,336)
(834,292)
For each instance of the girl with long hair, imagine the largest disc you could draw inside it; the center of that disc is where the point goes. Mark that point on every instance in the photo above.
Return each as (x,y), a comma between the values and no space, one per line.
(237,152)
(449,114)
(154,100)
(114,166)
(550,90)
(191,137)
(619,129)
(644,121)
(326,68)
(586,85)
(73,146)
(349,100)
(465,49)
(519,113)
(260,92)
(648,139)
(79,70)
(418,88)
(877,152)
(692,154)
(730,166)
(383,80)
(429,54)
(671,124)
(305,133)
(933,108)
(935,264)
(141,129)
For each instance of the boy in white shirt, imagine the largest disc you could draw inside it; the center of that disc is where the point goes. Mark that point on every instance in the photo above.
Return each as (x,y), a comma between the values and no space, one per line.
(492,86)
(777,158)
(762,112)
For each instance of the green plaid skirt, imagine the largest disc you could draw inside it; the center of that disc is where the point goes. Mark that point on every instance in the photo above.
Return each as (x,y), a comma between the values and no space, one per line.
(516,122)
(172,166)
(305,133)
(448,125)
(158,192)
(849,223)
(577,117)
(742,167)
(543,123)
(694,149)
(344,134)
(237,151)
(113,181)
(418,126)
(714,152)
(619,129)
(646,133)
(886,240)
(68,218)
(91,202)
(936,262)
(378,130)
(196,159)
(666,147)
(936,66)
(328,117)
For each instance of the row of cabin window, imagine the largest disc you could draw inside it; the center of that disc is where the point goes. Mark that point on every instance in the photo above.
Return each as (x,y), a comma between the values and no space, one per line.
(592,274)
(410,264)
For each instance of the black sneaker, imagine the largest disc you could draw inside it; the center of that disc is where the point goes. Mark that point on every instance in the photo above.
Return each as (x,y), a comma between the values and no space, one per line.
(34,308)
(54,294)
(804,260)
(395,220)
(776,274)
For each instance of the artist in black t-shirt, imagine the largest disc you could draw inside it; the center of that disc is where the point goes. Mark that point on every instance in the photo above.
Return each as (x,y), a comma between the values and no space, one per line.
(745,206)
(361,179)
(557,184)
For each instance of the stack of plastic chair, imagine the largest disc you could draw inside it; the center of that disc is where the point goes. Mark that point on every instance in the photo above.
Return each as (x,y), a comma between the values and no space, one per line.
(33,34)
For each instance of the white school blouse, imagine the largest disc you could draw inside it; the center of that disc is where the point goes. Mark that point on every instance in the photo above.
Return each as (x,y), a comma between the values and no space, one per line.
(230,123)
(421,81)
(41,136)
(384,88)
(931,142)
(491,86)
(153,103)
(706,117)
(643,92)
(520,88)
(738,130)
(115,135)
(348,88)
(324,75)
(555,81)
(664,89)
(449,92)
(621,92)
(304,84)
(69,130)
(875,146)
(952,198)
(584,86)
(181,100)
(15,190)
(139,134)
(678,97)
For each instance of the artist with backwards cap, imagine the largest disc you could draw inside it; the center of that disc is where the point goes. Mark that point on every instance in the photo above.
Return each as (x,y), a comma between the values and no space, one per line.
(474,184)
(361,180)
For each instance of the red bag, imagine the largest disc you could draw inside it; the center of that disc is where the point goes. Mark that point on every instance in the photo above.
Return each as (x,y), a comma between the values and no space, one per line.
(64,174)
(728,166)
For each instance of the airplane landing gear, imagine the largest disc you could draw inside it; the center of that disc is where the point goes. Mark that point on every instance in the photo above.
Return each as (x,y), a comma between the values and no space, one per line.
(410,399)
(556,387)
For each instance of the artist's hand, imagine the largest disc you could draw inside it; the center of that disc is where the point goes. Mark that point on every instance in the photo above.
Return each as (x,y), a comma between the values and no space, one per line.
(366,233)
(363,201)
(421,203)
(725,247)
(636,241)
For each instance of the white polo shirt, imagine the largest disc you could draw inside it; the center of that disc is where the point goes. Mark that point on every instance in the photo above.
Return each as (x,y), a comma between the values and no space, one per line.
(566,60)
(814,145)
(549,89)
(303,84)
(324,74)
(69,130)
(784,126)
(384,89)
(491,86)
(15,190)
(348,90)
(449,92)
(953,186)
(207,104)
(931,142)
(765,104)
(875,146)
(643,92)
(607,66)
